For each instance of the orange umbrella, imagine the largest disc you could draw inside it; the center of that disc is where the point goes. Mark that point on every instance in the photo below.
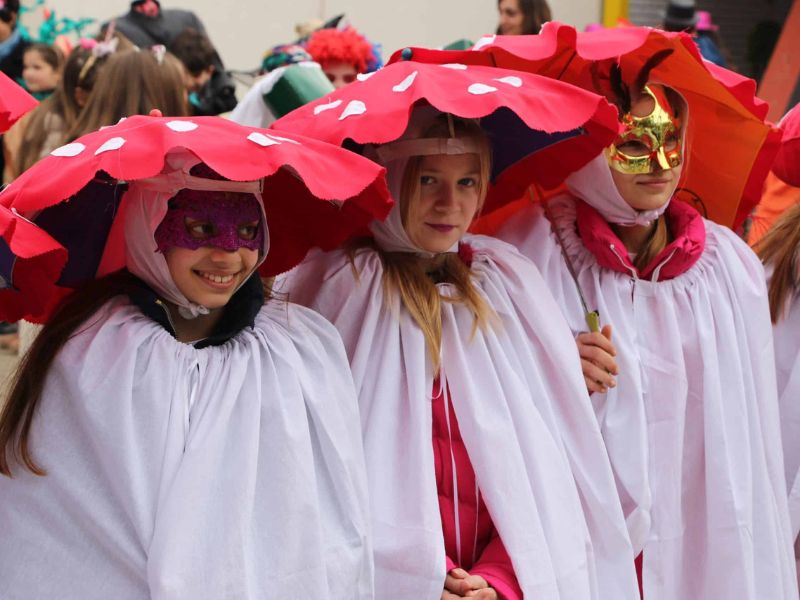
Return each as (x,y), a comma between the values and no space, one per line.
(731,145)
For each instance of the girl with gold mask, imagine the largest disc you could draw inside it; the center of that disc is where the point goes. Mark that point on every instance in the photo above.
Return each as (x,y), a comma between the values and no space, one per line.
(679,362)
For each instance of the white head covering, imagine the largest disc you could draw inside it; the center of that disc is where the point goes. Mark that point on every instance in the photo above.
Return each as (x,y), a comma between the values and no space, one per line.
(594,185)
(390,235)
(146,206)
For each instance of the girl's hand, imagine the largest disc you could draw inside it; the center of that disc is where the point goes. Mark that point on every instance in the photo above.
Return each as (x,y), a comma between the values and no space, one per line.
(486,593)
(460,584)
(597,360)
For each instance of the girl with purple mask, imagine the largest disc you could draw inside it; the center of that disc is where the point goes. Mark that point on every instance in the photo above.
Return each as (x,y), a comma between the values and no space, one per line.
(200,436)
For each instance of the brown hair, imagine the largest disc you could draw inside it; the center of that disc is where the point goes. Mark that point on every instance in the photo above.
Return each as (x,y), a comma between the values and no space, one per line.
(535,13)
(29,379)
(133,82)
(62,103)
(779,248)
(50,54)
(658,240)
(406,273)
(194,50)
(79,74)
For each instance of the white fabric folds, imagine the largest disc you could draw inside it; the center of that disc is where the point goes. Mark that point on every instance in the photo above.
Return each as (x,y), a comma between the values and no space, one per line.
(786,333)
(524,416)
(692,427)
(223,473)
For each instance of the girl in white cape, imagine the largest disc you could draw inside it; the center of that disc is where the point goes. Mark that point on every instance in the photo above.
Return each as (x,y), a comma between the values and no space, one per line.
(685,394)
(174,434)
(779,251)
(455,341)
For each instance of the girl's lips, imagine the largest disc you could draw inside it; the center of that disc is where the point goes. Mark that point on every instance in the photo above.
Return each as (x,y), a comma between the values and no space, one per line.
(216,280)
(654,183)
(441,228)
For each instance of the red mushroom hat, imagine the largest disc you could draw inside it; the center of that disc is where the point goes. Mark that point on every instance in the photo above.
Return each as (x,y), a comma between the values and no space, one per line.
(540,130)
(76,196)
(14,102)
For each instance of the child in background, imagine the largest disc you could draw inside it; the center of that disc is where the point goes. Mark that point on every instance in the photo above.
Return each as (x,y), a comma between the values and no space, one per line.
(133,82)
(342,54)
(41,71)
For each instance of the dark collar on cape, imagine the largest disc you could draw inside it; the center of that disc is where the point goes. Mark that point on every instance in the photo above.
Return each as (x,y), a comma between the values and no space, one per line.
(240,312)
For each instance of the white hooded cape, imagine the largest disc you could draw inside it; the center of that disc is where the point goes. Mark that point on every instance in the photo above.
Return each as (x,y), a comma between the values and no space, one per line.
(523,413)
(223,473)
(692,427)
(786,333)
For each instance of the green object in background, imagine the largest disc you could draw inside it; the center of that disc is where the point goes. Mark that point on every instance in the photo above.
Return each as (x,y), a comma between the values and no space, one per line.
(459,45)
(299,85)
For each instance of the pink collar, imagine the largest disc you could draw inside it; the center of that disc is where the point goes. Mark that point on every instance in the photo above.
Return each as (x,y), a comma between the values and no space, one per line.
(685,224)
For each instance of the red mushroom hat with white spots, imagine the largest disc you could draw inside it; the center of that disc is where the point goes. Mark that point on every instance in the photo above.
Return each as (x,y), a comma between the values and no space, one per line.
(314,195)
(14,102)
(540,129)
(731,143)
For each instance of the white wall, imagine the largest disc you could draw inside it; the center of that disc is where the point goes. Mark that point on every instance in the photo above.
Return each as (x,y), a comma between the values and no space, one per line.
(243,30)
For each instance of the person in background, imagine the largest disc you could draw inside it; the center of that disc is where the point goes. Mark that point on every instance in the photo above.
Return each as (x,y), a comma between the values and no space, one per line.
(708,40)
(12,44)
(147,24)
(342,54)
(46,127)
(134,82)
(12,49)
(682,16)
(197,55)
(779,250)
(522,17)
(42,69)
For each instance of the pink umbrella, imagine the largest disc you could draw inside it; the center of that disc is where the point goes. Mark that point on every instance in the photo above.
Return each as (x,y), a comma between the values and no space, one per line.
(540,129)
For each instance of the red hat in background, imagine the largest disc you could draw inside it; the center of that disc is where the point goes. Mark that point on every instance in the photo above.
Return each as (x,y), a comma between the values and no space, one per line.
(787,163)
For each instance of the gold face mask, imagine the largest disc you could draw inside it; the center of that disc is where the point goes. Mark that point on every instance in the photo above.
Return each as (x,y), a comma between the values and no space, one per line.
(648,144)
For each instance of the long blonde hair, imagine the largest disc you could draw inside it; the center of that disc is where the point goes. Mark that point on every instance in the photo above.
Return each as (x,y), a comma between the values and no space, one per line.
(406,274)
(780,248)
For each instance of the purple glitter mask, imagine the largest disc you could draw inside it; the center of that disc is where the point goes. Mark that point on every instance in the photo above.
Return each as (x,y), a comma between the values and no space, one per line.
(224,220)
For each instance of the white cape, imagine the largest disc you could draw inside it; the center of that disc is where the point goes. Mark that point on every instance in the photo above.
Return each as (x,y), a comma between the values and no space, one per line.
(524,416)
(692,427)
(787,361)
(225,473)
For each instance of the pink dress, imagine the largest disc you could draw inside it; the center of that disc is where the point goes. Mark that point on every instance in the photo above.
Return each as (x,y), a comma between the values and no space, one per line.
(474,545)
